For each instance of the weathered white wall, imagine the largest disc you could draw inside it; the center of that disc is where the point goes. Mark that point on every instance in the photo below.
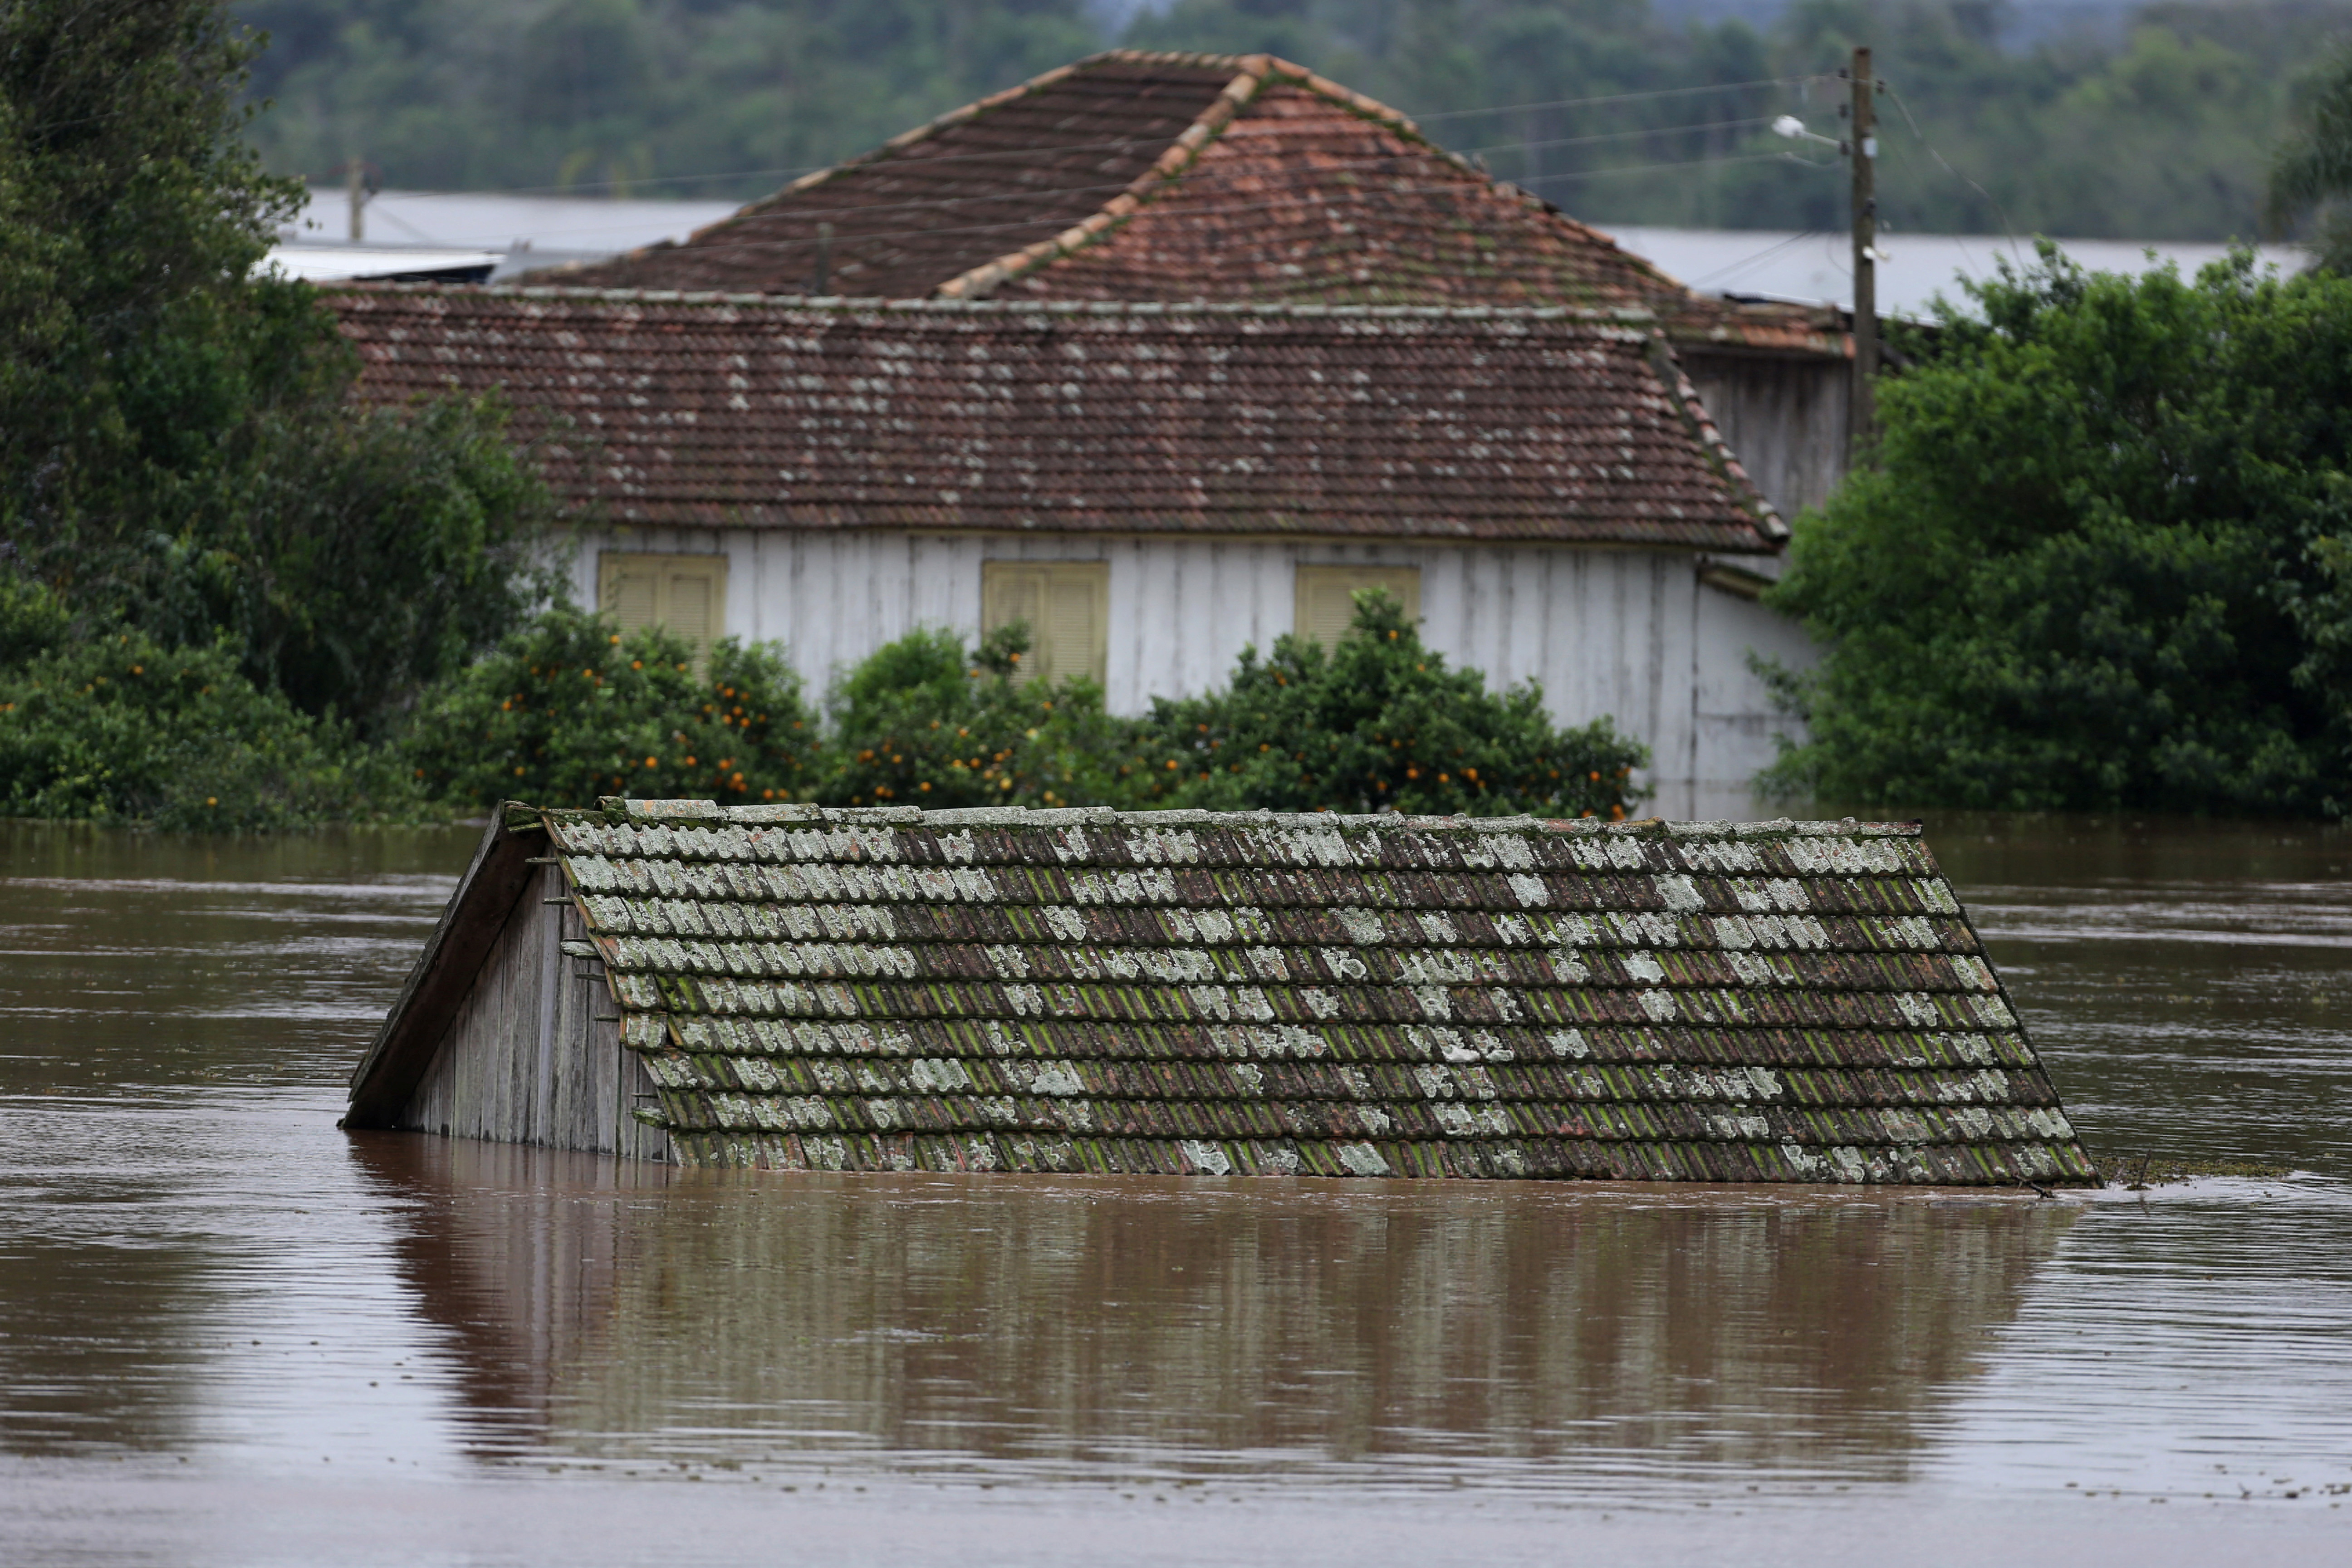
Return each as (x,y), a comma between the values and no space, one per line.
(1632,633)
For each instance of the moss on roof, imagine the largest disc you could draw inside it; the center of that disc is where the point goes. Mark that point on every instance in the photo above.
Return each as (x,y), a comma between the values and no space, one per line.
(1200,993)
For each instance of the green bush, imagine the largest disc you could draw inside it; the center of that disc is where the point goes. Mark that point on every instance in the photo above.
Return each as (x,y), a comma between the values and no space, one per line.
(2102,561)
(568,710)
(1379,722)
(120,728)
(923,722)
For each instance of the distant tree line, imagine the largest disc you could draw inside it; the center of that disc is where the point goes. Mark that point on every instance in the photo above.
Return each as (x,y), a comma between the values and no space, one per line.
(2161,127)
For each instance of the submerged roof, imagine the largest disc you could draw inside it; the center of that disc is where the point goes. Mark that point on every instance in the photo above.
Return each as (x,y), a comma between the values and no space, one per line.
(1395,423)
(1178,176)
(1184,993)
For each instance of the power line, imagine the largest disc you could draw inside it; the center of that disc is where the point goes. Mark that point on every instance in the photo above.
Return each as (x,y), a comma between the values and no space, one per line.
(1613,136)
(2007,233)
(1121,144)
(1200,177)
(1613,98)
(1764,255)
(846,242)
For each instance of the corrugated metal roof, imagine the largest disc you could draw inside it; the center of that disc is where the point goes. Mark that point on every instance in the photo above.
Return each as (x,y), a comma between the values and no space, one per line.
(409,263)
(748,410)
(1184,993)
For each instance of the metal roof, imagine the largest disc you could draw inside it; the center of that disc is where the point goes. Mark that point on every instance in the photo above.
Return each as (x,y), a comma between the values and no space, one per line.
(381,263)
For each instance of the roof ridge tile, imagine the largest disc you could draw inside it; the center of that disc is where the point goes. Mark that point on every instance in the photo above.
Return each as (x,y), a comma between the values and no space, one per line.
(627,809)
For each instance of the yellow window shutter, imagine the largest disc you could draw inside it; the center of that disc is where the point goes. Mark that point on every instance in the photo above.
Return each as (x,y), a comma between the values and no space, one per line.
(1067,606)
(629,592)
(686,593)
(689,611)
(1326,604)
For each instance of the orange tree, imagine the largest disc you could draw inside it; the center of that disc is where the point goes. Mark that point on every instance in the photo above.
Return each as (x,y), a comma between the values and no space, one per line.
(1378,722)
(569,709)
(926,721)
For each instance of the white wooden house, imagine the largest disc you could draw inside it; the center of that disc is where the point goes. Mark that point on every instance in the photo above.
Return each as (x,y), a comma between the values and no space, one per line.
(1152,488)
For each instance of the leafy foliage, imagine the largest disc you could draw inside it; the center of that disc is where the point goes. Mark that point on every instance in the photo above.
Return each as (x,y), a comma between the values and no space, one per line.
(2102,561)
(2311,174)
(613,94)
(1378,722)
(120,728)
(177,452)
(923,722)
(2152,121)
(567,710)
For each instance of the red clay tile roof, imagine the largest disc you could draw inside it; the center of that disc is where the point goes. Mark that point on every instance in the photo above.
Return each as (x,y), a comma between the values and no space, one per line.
(750,412)
(1178,177)
(1191,994)
(989,178)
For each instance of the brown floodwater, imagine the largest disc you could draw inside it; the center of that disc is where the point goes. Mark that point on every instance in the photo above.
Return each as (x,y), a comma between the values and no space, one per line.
(230,1333)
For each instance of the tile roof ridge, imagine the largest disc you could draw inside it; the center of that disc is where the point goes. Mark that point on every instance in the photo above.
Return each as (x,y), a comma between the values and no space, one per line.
(1260,72)
(1625,317)
(1250,73)
(1711,444)
(613,808)
(895,145)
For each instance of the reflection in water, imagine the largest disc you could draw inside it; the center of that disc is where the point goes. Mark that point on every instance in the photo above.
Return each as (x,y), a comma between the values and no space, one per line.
(2190,985)
(195,1266)
(979,1324)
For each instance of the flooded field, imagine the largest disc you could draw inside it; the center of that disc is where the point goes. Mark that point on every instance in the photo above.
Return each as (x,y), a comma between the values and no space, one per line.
(230,1333)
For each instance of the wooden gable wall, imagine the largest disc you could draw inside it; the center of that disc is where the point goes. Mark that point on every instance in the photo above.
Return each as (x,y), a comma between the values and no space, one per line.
(533,1055)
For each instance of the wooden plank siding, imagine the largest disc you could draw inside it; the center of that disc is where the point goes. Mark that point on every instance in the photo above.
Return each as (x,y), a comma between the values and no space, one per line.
(1630,633)
(1784,415)
(531,1056)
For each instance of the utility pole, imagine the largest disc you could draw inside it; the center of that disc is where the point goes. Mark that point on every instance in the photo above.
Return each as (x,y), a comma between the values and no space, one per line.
(355,185)
(1862,411)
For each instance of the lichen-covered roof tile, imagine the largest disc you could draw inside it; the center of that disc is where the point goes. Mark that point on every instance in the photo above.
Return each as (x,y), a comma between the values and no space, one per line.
(1310,995)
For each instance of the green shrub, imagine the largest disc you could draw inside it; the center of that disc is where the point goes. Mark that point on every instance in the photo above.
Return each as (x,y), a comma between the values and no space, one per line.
(2102,562)
(923,722)
(1377,722)
(121,727)
(568,710)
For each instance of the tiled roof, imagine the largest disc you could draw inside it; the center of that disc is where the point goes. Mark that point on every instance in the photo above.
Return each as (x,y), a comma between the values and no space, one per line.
(1171,177)
(1184,993)
(989,178)
(749,412)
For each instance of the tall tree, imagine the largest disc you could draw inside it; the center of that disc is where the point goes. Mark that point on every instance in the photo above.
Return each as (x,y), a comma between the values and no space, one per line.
(176,445)
(2104,561)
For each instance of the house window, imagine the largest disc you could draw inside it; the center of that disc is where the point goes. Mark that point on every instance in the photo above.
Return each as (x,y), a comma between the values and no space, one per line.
(1067,605)
(686,593)
(1326,604)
